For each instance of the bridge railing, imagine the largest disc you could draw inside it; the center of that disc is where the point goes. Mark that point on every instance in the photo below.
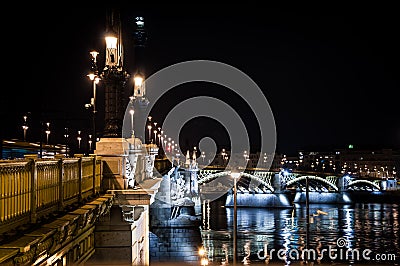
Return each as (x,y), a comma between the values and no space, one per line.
(30,189)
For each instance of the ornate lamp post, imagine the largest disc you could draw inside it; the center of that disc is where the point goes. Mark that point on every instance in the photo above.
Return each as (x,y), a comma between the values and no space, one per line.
(90,142)
(139,103)
(93,76)
(114,77)
(132,112)
(149,128)
(25,126)
(155,136)
(138,82)
(47,132)
(79,138)
(66,136)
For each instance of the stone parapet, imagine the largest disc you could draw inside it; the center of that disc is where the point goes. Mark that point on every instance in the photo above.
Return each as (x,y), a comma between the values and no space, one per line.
(67,240)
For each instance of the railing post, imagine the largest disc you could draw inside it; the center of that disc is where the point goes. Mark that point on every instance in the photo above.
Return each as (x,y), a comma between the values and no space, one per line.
(60,184)
(33,168)
(94,174)
(80,179)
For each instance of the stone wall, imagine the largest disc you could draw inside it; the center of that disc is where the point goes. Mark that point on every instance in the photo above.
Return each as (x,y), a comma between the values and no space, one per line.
(174,244)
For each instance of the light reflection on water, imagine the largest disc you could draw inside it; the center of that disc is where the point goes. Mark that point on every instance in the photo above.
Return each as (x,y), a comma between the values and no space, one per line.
(363,226)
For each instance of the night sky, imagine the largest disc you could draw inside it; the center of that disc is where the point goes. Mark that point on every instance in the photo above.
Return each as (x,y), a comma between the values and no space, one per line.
(329,73)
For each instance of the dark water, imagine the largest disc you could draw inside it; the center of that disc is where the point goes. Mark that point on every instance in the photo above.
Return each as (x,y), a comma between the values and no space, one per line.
(367,233)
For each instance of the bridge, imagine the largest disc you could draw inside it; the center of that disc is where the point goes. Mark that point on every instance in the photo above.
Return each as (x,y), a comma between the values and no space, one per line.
(65,211)
(264,188)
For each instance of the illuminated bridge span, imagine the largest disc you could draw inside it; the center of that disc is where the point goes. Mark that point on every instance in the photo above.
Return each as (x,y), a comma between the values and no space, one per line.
(205,176)
(292,186)
(254,181)
(263,181)
(364,185)
(255,188)
(316,183)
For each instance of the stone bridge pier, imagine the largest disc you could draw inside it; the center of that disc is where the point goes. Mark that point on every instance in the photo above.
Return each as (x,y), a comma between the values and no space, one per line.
(174,232)
(122,236)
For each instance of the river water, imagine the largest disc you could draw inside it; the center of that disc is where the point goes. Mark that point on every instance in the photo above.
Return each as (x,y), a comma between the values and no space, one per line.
(357,234)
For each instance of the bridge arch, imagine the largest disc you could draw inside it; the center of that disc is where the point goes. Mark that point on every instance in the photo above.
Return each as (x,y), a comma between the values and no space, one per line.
(258,179)
(316,178)
(211,176)
(361,182)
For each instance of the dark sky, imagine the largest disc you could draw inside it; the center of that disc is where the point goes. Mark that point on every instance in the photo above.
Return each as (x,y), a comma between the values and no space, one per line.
(329,73)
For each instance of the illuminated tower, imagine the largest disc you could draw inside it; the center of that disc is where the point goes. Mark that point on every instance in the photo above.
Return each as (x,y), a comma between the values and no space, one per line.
(114,76)
(140,40)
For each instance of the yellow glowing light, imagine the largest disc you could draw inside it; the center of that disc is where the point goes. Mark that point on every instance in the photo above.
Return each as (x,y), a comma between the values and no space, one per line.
(111,42)
(94,54)
(202,251)
(204,261)
(138,80)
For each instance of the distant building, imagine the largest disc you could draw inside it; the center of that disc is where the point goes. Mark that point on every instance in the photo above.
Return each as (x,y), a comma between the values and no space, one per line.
(251,160)
(319,161)
(362,163)
(370,163)
(365,163)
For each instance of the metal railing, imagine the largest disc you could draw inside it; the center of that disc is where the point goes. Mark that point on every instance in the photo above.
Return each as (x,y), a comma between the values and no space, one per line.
(30,189)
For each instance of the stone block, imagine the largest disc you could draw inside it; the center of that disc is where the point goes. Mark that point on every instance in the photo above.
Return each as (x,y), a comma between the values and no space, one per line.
(114,239)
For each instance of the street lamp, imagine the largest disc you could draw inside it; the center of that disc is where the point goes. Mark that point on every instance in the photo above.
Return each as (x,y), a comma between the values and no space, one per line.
(90,142)
(111,48)
(25,127)
(202,252)
(95,80)
(155,136)
(47,132)
(223,153)
(246,158)
(132,112)
(236,176)
(66,136)
(138,88)
(149,128)
(203,258)
(79,138)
